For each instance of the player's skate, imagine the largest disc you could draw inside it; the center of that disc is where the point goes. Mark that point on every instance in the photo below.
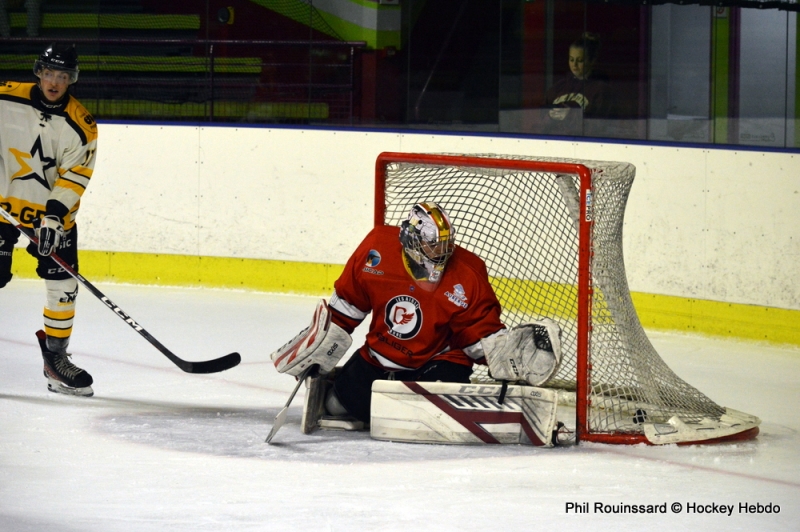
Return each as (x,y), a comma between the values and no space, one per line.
(317,387)
(562,435)
(315,413)
(341,422)
(336,417)
(62,375)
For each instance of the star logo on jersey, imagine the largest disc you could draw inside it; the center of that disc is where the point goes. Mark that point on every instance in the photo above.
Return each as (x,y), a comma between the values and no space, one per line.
(25,171)
(403,317)
(70,296)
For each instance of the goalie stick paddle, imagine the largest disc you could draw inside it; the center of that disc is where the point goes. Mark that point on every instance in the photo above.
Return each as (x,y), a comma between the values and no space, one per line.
(281,417)
(208,366)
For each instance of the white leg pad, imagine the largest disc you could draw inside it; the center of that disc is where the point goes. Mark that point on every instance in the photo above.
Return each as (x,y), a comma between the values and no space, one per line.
(443,412)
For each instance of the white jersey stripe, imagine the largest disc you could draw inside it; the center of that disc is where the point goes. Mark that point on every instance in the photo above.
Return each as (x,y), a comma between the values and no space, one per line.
(346,308)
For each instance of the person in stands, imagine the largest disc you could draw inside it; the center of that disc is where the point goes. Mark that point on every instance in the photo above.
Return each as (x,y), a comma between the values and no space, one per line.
(583,94)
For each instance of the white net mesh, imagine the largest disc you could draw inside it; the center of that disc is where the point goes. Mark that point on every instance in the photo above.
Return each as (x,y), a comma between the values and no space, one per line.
(524,225)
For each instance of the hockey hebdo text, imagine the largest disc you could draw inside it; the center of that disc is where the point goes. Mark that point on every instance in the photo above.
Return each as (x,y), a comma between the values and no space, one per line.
(674,507)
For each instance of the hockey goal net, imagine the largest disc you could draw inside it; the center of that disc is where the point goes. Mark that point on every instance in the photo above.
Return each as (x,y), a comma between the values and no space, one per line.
(550,233)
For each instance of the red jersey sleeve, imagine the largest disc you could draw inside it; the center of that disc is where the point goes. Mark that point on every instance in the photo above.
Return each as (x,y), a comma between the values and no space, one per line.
(351,302)
(481,317)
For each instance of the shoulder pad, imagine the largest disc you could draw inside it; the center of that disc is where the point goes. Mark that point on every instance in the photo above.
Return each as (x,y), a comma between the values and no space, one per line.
(15,88)
(81,116)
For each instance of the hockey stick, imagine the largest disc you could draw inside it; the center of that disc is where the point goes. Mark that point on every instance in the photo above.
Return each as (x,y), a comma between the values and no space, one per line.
(208,366)
(281,417)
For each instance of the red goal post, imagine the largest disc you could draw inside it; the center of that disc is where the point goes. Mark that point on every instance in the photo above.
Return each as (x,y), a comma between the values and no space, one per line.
(550,232)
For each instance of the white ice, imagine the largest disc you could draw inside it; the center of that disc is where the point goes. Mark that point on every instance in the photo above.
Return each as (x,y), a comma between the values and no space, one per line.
(157,449)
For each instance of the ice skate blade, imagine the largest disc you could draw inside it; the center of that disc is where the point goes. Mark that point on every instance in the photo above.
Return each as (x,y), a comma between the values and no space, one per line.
(59,387)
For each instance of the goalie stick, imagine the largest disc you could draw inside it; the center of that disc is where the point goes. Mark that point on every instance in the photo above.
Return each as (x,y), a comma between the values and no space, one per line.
(209,366)
(281,417)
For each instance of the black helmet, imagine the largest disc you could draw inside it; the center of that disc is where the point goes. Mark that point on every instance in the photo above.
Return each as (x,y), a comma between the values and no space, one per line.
(59,57)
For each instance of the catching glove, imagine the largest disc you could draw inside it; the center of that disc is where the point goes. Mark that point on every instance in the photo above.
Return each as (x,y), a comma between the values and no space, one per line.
(529,352)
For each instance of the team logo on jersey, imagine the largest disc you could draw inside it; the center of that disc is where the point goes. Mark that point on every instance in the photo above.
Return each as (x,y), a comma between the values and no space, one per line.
(69,297)
(25,170)
(459,290)
(403,317)
(373,258)
(458,296)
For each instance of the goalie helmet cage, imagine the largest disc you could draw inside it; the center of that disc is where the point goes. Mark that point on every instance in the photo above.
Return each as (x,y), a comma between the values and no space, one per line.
(550,233)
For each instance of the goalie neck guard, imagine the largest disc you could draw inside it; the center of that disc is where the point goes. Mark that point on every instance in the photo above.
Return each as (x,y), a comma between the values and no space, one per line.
(428,240)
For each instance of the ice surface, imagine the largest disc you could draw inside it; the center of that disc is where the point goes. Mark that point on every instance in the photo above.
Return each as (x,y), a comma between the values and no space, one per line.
(157,449)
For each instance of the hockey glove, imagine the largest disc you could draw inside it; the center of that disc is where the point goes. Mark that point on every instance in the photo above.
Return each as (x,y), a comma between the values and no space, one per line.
(529,352)
(49,233)
(322,342)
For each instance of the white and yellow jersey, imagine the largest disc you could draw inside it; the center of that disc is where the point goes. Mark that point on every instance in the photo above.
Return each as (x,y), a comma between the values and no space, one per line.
(47,152)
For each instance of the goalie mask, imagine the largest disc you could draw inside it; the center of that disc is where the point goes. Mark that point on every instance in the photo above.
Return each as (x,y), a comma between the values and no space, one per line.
(428,240)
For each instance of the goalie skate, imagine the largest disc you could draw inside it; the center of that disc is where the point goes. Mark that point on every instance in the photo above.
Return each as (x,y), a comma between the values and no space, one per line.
(348,423)
(563,436)
(317,387)
(315,416)
(62,375)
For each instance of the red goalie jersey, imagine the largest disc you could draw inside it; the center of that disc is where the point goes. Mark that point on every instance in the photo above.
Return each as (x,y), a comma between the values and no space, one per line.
(411,324)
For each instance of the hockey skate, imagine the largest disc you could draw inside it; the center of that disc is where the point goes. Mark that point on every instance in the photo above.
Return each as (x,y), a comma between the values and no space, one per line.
(315,415)
(317,387)
(563,436)
(331,422)
(62,375)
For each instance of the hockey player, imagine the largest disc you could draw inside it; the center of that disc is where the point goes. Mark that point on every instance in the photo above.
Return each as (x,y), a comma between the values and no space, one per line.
(434,314)
(48,142)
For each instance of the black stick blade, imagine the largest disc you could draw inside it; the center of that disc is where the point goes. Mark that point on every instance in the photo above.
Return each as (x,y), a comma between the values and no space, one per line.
(212,366)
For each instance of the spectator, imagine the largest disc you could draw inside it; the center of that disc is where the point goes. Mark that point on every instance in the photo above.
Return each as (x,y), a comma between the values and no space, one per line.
(582,94)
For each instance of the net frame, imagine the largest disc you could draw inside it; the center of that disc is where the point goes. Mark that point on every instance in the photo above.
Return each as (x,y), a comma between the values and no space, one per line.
(588,295)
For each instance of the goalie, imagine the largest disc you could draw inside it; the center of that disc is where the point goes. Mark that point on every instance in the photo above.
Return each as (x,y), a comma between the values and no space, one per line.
(434,315)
